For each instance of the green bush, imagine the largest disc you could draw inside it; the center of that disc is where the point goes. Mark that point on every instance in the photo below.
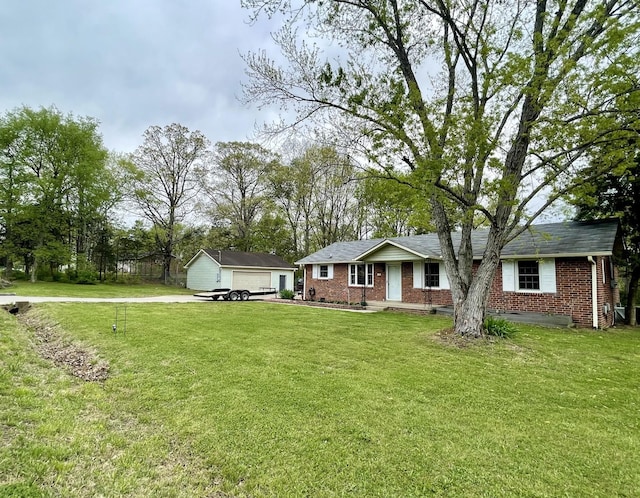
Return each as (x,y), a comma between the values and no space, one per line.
(499,327)
(87,277)
(287,294)
(43,274)
(18,275)
(124,278)
(56,276)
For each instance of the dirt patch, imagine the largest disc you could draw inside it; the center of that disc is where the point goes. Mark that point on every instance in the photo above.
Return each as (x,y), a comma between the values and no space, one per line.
(52,345)
(448,337)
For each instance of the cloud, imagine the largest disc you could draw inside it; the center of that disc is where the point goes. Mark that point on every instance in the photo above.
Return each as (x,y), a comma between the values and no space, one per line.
(132,64)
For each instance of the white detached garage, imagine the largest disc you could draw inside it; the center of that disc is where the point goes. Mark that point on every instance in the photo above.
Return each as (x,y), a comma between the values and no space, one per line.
(213,269)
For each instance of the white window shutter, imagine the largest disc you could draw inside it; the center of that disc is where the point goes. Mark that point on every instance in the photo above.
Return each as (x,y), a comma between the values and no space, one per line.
(508,275)
(314,272)
(418,274)
(444,281)
(330,271)
(547,275)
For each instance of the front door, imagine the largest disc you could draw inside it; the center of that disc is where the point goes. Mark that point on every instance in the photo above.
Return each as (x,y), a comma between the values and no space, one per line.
(394,283)
(283,282)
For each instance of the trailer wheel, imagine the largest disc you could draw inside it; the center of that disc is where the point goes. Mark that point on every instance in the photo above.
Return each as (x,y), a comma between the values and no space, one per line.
(245,295)
(234,296)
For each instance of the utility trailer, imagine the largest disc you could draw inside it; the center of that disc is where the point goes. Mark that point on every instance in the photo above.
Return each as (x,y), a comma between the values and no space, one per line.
(236,294)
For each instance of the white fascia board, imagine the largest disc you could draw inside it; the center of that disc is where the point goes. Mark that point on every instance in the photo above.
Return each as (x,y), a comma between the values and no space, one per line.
(327,262)
(201,251)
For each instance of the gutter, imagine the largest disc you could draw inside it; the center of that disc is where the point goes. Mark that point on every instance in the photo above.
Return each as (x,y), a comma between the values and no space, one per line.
(594,291)
(553,255)
(304,283)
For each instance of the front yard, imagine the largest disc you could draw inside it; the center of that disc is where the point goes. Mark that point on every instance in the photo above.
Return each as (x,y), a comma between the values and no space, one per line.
(257,399)
(61,289)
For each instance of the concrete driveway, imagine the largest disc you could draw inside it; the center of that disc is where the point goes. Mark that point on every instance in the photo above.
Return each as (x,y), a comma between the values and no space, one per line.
(10,299)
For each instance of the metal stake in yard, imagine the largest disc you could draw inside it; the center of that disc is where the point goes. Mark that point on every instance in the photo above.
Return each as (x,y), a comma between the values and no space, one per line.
(115,324)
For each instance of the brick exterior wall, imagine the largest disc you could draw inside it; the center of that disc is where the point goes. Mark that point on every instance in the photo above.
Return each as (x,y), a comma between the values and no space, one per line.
(422,296)
(572,297)
(339,290)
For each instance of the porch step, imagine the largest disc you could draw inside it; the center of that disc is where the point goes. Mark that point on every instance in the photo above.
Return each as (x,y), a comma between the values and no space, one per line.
(397,305)
(375,307)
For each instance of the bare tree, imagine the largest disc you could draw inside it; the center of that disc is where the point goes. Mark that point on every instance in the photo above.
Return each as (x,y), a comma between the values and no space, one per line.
(237,187)
(167,180)
(317,193)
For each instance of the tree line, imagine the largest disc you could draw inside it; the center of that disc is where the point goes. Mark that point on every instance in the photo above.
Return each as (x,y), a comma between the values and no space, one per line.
(68,203)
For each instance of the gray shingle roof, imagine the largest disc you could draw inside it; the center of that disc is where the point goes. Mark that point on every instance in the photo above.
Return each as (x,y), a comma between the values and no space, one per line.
(568,238)
(340,252)
(247,259)
(571,238)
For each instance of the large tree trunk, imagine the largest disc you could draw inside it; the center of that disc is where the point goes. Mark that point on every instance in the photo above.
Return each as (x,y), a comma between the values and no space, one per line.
(468,316)
(34,270)
(8,269)
(470,289)
(166,268)
(469,313)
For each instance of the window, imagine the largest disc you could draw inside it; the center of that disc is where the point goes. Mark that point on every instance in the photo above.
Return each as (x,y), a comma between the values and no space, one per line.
(323,271)
(432,275)
(361,275)
(528,275)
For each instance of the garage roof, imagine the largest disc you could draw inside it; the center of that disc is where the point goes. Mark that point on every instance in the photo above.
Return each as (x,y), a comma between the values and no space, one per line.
(227,258)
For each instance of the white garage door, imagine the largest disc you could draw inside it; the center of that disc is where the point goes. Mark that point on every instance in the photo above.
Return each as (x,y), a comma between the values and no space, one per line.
(251,280)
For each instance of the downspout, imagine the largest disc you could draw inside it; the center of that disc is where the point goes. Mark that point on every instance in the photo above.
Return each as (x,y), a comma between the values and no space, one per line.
(594,291)
(304,282)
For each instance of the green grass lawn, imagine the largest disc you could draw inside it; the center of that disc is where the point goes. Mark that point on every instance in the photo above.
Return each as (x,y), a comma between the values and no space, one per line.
(257,399)
(61,289)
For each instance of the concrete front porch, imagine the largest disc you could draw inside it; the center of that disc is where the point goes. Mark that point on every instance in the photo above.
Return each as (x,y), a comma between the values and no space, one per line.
(398,305)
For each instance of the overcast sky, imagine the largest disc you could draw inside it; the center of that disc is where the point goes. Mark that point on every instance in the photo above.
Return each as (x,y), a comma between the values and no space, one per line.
(132,64)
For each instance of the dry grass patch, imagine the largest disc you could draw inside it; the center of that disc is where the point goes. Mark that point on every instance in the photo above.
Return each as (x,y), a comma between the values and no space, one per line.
(52,344)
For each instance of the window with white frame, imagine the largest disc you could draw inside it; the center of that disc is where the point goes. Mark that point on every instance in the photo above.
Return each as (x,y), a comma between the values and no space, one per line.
(432,275)
(361,275)
(324,271)
(528,275)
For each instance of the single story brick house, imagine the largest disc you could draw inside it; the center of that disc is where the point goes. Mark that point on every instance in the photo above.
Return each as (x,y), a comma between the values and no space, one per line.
(211,269)
(566,269)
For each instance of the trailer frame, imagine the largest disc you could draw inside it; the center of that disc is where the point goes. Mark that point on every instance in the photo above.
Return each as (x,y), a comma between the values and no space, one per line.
(236,294)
